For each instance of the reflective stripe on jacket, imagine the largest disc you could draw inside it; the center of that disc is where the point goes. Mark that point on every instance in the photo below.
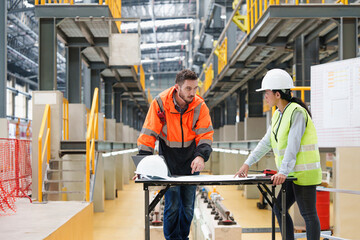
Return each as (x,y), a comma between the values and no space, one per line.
(182,137)
(307,167)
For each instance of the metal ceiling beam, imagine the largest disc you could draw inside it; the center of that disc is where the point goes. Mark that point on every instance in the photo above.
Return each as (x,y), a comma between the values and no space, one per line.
(275,55)
(86,31)
(118,78)
(164,29)
(304,25)
(162,73)
(168,17)
(318,30)
(18,10)
(62,36)
(102,55)
(24,79)
(315,11)
(68,11)
(276,31)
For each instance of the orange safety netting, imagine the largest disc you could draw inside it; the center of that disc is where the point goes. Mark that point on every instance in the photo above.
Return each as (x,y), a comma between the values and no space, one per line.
(15,172)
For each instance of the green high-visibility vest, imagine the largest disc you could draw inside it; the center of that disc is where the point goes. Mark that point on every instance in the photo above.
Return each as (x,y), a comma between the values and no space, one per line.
(307,169)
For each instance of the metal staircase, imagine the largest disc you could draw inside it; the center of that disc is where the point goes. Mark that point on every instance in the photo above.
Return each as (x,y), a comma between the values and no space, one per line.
(73,172)
(65,177)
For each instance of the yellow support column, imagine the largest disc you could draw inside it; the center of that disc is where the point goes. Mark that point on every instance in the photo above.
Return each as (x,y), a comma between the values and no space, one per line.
(248,16)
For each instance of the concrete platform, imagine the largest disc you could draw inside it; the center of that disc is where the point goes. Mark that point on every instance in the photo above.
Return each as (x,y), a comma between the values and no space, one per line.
(53,220)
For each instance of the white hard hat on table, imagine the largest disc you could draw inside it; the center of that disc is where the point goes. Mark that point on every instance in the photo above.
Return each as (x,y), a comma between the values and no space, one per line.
(152,166)
(276,79)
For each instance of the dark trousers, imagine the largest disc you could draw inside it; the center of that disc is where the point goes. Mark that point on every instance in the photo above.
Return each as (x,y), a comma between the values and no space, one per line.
(178,212)
(305,196)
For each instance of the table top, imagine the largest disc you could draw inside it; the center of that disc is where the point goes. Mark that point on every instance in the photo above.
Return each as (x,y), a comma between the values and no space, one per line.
(209,180)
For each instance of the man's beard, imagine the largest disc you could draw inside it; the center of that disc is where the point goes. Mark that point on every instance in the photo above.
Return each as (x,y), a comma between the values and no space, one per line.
(183,98)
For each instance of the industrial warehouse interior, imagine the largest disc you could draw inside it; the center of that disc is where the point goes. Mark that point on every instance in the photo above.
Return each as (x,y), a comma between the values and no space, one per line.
(90,89)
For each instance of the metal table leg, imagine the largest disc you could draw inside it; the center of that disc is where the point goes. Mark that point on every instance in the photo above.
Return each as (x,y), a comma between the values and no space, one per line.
(273,214)
(283,211)
(147,217)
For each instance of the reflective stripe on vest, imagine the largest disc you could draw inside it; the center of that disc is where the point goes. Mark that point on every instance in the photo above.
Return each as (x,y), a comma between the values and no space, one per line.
(159,101)
(196,115)
(303,148)
(174,144)
(203,130)
(149,132)
(307,166)
(145,148)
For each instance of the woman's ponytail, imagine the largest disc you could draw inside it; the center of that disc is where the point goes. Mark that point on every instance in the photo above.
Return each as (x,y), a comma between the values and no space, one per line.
(287,96)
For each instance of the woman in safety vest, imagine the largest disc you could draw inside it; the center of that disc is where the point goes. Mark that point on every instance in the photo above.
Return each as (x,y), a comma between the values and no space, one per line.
(292,137)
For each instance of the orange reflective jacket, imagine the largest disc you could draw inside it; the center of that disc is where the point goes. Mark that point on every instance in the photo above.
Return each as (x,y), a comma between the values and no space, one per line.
(182,137)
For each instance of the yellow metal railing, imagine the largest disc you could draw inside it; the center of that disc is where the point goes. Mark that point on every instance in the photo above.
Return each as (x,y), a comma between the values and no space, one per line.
(302,91)
(149,96)
(91,135)
(221,53)
(115,8)
(256,8)
(28,129)
(209,76)
(17,130)
(238,19)
(41,152)
(65,119)
(142,77)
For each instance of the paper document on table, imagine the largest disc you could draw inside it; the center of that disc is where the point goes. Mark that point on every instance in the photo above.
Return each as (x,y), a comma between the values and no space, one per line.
(193,178)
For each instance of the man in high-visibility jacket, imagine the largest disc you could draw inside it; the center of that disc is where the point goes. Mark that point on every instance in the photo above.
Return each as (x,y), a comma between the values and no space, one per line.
(180,120)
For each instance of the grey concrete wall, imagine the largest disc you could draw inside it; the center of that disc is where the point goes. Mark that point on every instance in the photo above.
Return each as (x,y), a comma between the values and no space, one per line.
(77,121)
(119,132)
(228,133)
(126,134)
(110,177)
(101,126)
(126,166)
(4,128)
(136,135)
(110,129)
(216,136)
(254,128)
(119,172)
(240,133)
(99,191)
(73,162)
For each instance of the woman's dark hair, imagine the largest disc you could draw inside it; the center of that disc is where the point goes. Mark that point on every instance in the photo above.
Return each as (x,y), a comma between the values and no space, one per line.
(287,96)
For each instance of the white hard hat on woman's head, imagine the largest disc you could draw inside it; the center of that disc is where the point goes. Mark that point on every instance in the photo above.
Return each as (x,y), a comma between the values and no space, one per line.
(276,79)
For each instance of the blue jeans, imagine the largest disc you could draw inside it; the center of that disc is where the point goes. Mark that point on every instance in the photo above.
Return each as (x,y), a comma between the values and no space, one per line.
(305,196)
(178,212)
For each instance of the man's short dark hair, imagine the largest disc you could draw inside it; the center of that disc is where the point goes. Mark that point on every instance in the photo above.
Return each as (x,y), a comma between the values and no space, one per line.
(185,74)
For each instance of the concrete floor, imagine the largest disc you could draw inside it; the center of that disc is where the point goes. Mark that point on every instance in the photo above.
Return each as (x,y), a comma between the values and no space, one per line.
(124,217)
(37,221)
